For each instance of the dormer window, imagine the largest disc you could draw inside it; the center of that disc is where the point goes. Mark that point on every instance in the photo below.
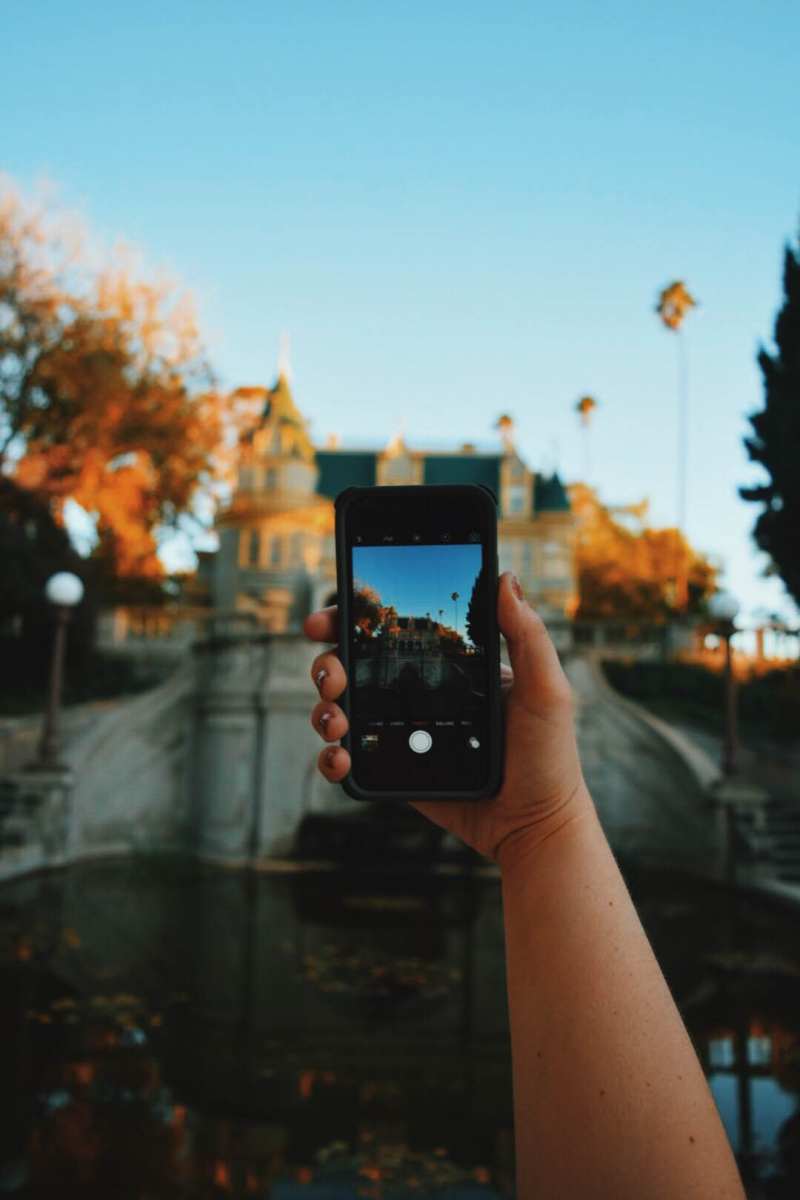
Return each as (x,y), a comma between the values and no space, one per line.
(516,499)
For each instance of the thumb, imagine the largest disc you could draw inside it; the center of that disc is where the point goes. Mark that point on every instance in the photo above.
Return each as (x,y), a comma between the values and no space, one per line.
(539,681)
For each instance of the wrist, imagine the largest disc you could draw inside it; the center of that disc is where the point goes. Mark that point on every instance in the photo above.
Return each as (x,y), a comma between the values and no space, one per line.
(560,825)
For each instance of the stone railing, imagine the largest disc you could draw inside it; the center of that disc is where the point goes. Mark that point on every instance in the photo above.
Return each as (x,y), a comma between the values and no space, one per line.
(219,761)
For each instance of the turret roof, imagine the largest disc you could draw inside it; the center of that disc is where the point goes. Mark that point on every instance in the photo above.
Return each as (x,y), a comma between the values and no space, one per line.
(279,407)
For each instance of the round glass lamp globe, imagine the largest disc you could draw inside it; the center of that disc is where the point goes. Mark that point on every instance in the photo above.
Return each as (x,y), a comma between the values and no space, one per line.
(64,589)
(723,606)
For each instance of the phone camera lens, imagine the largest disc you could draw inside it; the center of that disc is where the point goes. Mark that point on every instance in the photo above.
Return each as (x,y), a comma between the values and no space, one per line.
(474,536)
(445,537)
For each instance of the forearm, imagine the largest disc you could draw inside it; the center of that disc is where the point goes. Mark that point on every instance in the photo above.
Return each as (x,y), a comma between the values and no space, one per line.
(610,1100)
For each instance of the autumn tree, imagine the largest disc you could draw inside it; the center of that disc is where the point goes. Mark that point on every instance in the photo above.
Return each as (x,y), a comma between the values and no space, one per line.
(105,395)
(624,573)
(368,610)
(775,441)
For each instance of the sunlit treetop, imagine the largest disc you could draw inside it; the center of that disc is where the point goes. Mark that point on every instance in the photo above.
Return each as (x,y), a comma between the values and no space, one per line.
(674,302)
(106,397)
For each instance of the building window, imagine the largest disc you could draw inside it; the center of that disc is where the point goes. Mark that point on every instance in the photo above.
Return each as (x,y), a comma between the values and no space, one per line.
(516,498)
(554,561)
(246,478)
(296,549)
(255,546)
(275,551)
(270,478)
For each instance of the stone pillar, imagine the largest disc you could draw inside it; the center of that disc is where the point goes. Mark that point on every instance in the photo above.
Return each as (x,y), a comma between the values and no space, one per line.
(740,811)
(225,740)
(288,746)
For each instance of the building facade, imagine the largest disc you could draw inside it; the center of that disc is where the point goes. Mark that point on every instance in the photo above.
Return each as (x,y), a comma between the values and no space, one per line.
(276,554)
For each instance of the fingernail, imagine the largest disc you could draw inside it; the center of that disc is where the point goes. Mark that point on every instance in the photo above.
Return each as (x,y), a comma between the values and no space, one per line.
(324,719)
(320,678)
(330,756)
(516,588)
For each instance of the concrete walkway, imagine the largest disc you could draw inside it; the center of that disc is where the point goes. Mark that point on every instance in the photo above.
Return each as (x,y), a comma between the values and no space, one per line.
(649,783)
(20,736)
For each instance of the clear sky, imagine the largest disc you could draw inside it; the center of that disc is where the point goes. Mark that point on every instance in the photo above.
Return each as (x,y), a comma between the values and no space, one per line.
(454,210)
(418,580)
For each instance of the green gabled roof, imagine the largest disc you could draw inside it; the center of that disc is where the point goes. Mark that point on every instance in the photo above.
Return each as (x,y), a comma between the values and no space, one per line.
(550,495)
(340,469)
(463,468)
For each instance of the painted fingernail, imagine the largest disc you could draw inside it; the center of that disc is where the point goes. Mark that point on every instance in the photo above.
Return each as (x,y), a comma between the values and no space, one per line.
(516,588)
(323,720)
(330,756)
(320,678)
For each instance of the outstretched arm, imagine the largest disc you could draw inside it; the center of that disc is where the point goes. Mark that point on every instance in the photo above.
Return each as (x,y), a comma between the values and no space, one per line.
(609,1098)
(610,1101)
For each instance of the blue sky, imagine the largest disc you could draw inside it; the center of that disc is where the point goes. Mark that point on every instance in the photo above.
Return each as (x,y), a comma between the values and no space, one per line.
(419,580)
(454,210)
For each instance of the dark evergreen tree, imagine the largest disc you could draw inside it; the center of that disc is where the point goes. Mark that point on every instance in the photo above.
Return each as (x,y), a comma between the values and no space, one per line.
(33,546)
(478,611)
(775,442)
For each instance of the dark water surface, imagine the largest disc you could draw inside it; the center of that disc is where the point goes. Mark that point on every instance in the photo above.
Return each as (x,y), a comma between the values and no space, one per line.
(178,1031)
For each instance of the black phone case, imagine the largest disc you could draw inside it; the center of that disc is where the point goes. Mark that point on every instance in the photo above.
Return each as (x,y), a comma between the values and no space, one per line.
(495,778)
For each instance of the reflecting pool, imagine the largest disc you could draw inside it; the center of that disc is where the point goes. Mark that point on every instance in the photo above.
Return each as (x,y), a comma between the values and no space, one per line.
(179,1031)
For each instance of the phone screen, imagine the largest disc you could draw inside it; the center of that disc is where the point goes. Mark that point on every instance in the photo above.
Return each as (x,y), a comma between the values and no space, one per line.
(419,610)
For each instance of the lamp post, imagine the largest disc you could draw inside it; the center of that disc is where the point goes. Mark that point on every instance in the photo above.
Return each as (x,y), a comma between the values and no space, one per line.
(724,608)
(64,591)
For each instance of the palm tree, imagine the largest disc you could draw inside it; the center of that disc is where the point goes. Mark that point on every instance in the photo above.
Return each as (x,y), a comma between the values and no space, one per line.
(454,598)
(674,303)
(584,408)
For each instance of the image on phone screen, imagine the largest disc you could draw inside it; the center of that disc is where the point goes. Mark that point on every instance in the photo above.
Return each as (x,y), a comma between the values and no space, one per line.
(418,664)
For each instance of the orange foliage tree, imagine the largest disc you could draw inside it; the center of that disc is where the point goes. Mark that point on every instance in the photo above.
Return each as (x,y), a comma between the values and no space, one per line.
(624,573)
(105,394)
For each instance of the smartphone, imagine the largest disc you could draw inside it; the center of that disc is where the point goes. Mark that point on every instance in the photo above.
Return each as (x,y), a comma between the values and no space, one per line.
(417,593)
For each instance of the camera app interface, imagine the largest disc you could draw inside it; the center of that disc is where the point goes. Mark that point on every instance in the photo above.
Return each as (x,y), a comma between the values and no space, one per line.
(418,692)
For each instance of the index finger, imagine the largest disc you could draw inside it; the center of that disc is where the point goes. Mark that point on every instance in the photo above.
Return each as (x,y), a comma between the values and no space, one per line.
(323,625)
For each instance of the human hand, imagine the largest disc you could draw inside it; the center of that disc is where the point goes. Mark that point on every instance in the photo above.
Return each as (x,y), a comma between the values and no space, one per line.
(543,786)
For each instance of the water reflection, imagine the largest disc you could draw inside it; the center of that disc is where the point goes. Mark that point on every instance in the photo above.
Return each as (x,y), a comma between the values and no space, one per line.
(180,1031)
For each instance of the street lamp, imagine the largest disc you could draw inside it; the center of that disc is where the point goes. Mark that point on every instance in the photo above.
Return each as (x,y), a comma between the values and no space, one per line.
(64,590)
(724,607)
